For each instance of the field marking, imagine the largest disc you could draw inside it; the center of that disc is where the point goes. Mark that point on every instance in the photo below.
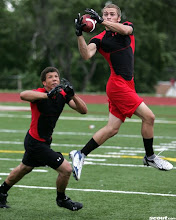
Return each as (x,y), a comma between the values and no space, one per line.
(95,155)
(12,151)
(4,174)
(87,118)
(10,159)
(164,146)
(14,108)
(98,190)
(89,162)
(84,134)
(126,156)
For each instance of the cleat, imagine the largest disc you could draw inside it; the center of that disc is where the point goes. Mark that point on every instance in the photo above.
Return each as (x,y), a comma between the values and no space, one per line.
(158,163)
(69,204)
(77,162)
(3,201)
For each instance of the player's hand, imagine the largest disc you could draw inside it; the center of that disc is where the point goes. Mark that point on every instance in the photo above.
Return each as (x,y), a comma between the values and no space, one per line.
(79,25)
(67,87)
(54,92)
(94,15)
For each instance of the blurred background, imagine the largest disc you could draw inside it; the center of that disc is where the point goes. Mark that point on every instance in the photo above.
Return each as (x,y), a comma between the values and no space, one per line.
(35,34)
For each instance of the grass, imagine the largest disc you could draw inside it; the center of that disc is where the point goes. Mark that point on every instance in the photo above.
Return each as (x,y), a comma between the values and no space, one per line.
(115,182)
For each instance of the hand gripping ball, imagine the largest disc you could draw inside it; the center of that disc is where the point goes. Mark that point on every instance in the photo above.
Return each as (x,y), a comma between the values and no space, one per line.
(90,23)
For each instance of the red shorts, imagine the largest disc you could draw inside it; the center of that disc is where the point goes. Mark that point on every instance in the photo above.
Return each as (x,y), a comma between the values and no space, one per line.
(122,97)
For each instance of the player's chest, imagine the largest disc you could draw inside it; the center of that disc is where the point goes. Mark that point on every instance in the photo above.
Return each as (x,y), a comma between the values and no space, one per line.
(51,107)
(114,41)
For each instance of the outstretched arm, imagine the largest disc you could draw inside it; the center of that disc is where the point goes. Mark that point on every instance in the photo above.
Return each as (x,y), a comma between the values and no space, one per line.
(115,27)
(75,102)
(118,27)
(78,104)
(86,51)
(31,96)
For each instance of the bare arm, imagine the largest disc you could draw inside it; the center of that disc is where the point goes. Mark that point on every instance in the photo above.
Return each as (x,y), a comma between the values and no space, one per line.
(118,27)
(86,51)
(78,104)
(31,96)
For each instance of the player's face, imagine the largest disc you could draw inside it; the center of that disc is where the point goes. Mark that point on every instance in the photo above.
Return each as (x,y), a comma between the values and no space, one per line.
(52,80)
(110,14)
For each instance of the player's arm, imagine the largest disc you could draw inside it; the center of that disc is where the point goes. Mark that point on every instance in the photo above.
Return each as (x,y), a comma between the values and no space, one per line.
(115,27)
(78,104)
(86,51)
(118,27)
(75,102)
(31,96)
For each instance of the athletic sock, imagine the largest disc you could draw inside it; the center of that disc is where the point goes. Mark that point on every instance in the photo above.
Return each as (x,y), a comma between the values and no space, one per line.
(90,146)
(148,145)
(4,188)
(61,195)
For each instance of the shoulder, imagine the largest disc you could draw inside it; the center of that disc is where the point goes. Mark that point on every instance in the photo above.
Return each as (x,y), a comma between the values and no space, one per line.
(99,36)
(40,90)
(128,23)
(97,39)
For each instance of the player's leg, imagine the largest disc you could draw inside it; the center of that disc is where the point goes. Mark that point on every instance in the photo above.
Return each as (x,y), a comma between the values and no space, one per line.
(98,139)
(147,128)
(15,175)
(147,131)
(62,200)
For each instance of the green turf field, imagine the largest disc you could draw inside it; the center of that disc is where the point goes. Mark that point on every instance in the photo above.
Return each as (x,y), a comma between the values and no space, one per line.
(114,184)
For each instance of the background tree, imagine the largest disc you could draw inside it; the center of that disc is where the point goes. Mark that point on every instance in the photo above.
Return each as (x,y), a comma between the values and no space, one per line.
(39,33)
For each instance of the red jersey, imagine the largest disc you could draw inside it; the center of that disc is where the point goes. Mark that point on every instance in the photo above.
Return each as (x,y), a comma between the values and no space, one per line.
(118,50)
(45,114)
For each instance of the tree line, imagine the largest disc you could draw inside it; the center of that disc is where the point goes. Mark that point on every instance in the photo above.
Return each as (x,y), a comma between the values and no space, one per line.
(35,34)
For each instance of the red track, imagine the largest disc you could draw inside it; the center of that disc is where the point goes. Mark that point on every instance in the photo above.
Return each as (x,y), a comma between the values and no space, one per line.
(96,99)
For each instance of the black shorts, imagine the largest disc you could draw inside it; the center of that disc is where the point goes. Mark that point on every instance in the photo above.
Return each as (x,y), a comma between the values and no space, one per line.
(39,153)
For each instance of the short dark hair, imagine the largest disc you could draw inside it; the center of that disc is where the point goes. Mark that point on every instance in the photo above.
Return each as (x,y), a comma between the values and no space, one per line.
(49,69)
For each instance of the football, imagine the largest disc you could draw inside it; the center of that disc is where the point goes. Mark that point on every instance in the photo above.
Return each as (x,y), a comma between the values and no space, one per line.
(90,23)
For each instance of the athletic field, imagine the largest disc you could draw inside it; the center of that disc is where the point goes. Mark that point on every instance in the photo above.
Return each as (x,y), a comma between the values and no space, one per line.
(114,184)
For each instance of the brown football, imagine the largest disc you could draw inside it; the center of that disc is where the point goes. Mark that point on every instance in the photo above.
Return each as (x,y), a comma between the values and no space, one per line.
(90,23)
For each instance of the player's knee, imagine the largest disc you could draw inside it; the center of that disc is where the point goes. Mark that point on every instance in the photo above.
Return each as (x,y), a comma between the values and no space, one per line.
(65,169)
(151,119)
(112,131)
(69,170)
(25,169)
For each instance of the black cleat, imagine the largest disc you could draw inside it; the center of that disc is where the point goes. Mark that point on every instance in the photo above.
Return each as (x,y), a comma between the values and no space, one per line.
(69,204)
(3,200)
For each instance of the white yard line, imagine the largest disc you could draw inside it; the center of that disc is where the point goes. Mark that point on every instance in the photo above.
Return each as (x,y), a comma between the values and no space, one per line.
(14,108)
(98,190)
(91,161)
(87,118)
(85,134)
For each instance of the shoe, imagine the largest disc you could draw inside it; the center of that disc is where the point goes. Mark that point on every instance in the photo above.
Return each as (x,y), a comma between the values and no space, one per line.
(69,204)
(3,200)
(77,162)
(158,163)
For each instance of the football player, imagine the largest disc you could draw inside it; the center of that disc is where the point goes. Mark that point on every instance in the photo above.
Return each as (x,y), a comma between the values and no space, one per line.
(117,45)
(47,104)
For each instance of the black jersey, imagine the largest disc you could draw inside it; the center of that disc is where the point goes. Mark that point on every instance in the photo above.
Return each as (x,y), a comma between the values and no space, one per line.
(45,114)
(118,50)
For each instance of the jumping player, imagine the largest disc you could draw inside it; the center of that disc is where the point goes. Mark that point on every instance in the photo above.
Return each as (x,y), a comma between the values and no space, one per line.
(117,45)
(47,104)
